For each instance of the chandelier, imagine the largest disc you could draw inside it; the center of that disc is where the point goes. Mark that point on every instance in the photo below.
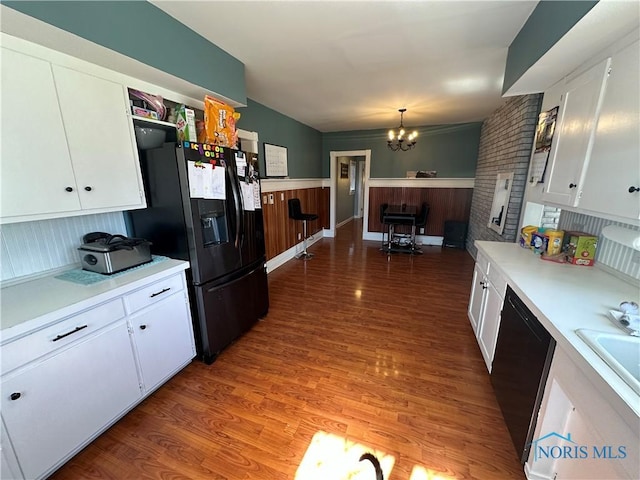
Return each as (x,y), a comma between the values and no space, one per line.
(399,141)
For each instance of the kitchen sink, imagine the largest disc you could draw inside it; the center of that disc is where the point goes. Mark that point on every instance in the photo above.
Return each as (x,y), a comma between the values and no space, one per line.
(620,352)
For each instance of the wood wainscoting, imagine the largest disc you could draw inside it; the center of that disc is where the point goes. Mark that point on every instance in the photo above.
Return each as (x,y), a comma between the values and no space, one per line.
(281,233)
(444,204)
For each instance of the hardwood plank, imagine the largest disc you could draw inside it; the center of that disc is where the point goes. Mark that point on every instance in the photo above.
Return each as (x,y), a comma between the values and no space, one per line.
(371,349)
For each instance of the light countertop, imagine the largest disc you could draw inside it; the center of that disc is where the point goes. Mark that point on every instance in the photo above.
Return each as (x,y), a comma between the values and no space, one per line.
(565,298)
(36,303)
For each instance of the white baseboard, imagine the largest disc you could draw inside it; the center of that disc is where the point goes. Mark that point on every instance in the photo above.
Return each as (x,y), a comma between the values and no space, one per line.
(344,222)
(287,255)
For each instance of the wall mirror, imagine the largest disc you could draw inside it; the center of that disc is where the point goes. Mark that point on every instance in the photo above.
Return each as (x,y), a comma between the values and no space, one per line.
(501,194)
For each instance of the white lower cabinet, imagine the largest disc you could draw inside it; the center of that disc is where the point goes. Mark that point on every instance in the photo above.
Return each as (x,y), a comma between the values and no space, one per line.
(65,382)
(162,339)
(485,305)
(579,434)
(53,407)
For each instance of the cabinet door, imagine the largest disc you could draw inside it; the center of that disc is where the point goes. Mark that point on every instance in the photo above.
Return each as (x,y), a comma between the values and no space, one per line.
(35,163)
(489,325)
(9,469)
(476,301)
(614,167)
(98,131)
(573,137)
(163,339)
(54,407)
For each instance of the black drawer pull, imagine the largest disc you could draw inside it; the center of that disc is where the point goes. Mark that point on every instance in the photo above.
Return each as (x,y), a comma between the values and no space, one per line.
(77,329)
(142,327)
(15,395)
(160,292)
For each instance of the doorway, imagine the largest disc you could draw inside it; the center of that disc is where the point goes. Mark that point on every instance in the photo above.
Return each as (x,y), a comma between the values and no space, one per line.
(334,174)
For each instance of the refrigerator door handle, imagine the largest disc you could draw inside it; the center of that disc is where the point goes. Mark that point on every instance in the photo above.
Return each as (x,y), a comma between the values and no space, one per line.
(237,203)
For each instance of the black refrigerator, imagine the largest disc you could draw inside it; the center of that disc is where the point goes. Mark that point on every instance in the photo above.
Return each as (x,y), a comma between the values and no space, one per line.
(221,234)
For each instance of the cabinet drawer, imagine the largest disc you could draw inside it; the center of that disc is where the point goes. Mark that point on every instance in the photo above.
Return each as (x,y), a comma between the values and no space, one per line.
(498,281)
(42,342)
(154,293)
(482,262)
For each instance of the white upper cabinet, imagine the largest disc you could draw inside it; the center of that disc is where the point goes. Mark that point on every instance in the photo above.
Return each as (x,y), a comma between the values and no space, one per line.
(613,174)
(37,176)
(574,135)
(68,145)
(94,112)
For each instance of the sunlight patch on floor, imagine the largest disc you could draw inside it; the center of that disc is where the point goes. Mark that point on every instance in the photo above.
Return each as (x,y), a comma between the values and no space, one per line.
(332,457)
(421,473)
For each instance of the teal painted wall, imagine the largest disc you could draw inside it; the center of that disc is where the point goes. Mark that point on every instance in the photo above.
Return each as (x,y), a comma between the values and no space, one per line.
(144,32)
(304,144)
(451,150)
(547,24)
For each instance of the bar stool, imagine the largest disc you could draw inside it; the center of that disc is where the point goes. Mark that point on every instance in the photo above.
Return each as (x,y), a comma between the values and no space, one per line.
(420,222)
(385,226)
(295,213)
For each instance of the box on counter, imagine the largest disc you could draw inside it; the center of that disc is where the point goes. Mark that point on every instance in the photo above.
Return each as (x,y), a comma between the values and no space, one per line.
(186,124)
(580,248)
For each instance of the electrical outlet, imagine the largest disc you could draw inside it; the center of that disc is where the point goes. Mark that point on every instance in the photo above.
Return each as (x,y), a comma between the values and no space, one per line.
(264,199)
(421,230)
(282,197)
(299,236)
(271,199)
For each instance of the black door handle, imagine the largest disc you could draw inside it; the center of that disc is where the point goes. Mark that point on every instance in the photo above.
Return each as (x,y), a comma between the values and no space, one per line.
(69,189)
(633,189)
(572,185)
(88,189)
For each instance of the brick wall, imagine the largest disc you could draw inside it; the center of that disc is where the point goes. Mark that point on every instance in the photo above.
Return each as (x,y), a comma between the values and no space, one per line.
(506,139)
(550,217)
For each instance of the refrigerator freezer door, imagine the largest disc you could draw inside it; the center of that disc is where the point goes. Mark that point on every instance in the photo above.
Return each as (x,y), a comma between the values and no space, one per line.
(228,310)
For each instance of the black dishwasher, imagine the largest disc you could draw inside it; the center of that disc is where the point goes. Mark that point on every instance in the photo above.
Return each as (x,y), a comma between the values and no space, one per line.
(520,368)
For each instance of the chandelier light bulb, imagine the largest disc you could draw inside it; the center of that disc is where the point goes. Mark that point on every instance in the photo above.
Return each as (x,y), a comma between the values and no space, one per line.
(396,143)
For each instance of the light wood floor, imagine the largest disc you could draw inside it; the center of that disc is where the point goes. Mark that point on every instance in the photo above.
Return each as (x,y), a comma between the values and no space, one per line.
(359,351)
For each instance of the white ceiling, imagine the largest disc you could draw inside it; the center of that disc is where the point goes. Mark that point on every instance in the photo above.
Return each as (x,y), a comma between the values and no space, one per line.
(350,65)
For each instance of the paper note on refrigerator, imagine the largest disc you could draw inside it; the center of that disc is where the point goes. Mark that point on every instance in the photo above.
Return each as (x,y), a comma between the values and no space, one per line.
(196,179)
(241,165)
(217,183)
(256,194)
(247,196)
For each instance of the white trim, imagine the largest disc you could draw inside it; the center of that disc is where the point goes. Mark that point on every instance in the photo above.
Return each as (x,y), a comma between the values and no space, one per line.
(333,159)
(344,222)
(289,254)
(277,184)
(423,182)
